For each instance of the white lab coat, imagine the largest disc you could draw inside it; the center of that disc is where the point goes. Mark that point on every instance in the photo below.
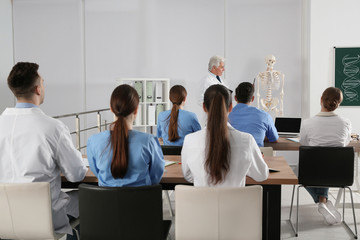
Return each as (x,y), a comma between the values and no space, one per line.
(325,129)
(246,159)
(36,148)
(208,80)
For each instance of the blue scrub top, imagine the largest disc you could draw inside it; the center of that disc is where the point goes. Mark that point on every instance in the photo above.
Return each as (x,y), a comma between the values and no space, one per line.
(187,123)
(146,161)
(252,120)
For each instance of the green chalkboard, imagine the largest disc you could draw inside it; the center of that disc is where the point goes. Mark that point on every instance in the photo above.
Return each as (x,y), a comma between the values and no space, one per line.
(347,74)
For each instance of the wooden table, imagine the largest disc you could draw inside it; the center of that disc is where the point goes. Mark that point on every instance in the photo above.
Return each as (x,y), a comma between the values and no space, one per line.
(271,189)
(284,144)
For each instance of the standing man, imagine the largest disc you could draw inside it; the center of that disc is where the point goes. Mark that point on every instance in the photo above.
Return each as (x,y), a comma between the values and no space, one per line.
(37,148)
(250,119)
(216,69)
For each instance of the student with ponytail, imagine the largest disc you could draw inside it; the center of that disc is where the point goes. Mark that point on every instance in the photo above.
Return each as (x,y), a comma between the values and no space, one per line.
(220,155)
(173,125)
(122,156)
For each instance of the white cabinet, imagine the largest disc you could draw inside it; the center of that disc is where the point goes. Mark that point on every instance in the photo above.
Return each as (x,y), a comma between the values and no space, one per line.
(154,98)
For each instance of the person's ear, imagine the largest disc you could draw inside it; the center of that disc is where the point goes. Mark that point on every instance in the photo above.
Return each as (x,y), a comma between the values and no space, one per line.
(204,108)
(230,107)
(38,90)
(236,98)
(252,99)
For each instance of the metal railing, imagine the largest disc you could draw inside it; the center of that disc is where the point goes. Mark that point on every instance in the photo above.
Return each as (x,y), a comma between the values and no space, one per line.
(78,129)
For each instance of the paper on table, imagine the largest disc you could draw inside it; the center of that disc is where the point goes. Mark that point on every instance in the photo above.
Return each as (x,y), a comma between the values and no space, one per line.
(294,139)
(168,163)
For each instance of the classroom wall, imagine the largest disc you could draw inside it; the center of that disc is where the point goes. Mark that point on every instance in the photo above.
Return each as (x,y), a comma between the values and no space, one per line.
(333,23)
(6,53)
(83,46)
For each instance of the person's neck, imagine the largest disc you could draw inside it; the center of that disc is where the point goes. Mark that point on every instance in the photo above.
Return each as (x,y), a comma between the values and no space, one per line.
(32,101)
(248,103)
(324,110)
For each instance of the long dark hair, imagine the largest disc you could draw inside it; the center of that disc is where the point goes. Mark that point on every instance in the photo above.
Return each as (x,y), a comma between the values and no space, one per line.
(177,96)
(124,101)
(217,101)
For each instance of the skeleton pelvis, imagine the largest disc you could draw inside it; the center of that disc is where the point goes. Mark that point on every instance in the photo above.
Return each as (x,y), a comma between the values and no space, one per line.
(269,105)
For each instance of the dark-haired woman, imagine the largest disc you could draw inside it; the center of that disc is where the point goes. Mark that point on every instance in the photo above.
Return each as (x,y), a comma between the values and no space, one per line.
(122,156)
(173,125)
(220,155)
(326,129)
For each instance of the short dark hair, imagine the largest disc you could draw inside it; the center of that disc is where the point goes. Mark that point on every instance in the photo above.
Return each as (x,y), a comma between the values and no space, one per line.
(244,92)
(23,78)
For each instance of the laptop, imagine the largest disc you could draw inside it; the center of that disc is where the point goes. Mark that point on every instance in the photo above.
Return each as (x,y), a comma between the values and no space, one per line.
(288,127)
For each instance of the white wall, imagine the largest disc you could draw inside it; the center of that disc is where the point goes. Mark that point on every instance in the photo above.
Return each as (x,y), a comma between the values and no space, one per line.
(333,23)
(83,46)
(6,53)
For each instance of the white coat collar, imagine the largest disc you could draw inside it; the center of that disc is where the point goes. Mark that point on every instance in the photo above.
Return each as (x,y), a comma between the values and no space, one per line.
(326,114)
(17,111)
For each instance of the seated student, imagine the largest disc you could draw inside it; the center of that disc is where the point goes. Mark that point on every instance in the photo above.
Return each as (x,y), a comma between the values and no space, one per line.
(250,119)
(220,155)
(38,148)
(173,125)
(122,156)
(326,129)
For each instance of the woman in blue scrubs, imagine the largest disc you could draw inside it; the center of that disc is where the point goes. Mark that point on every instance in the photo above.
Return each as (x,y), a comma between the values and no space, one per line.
(173,125)
(123,156)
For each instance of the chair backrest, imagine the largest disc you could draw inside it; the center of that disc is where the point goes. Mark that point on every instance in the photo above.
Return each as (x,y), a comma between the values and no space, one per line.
(326,166)
(171,150)
(121,212)
(218,213)
(25,211)
(267,151)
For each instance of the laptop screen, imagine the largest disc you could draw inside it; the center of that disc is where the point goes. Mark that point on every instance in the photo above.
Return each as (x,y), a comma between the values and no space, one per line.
(288,125)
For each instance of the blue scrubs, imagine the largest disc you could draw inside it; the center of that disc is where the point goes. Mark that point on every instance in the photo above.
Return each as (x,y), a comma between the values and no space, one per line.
(252,120)
(146,161)
(187,123)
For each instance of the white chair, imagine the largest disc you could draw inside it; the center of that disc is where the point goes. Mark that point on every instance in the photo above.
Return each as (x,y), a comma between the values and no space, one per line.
(267,151)
(218,213)
(26,211)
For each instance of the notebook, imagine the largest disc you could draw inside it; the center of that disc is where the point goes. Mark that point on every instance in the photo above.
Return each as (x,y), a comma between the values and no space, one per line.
(288,127)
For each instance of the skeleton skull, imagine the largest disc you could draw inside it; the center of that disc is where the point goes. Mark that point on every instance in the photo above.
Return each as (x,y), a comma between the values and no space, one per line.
(270,60)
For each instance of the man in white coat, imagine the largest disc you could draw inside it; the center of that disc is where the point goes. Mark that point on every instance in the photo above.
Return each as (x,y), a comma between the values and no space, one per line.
(37,148)
(216,69)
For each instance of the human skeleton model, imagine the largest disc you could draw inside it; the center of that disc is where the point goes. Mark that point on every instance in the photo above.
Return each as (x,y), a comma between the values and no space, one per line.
(268,81)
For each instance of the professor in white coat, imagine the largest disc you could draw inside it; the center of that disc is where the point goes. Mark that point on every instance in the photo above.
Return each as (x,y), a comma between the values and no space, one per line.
(37,148)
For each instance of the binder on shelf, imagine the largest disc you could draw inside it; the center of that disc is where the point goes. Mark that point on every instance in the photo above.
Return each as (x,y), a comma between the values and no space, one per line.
(149,92)
(158,92)
(138,120)
(151,115)
(139,89)
(159,109)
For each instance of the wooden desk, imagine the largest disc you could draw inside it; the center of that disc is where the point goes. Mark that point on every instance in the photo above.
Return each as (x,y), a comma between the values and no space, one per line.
(271,189)
(284,144)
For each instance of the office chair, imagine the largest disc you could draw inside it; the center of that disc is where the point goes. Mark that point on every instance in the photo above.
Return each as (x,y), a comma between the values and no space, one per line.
(170,150)
(25,211)
(122,213)
(337,170)
(218,213)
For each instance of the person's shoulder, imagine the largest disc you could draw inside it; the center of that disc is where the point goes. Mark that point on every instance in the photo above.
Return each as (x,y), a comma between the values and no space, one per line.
(99,137)
(140,136)
(164,114)
(187,113)
(195,136)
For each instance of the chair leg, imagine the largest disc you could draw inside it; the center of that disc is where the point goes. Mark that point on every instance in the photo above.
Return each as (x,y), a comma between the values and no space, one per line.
(296,229)
(292,200)
(352,204)
(169,203)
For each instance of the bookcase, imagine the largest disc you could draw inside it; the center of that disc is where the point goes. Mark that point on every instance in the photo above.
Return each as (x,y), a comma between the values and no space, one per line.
(154,98)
